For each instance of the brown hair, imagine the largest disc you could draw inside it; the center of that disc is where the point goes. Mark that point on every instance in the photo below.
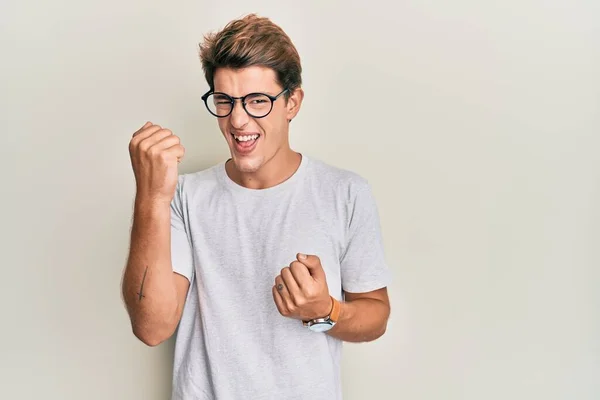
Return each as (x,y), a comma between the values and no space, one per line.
(252,41)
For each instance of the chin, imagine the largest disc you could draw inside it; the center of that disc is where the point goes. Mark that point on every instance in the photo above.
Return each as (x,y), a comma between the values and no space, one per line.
(248,165)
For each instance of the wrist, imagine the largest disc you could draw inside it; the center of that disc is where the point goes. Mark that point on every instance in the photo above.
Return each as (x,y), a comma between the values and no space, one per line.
(328,321)
(326,309)
(147,203)
(148,210)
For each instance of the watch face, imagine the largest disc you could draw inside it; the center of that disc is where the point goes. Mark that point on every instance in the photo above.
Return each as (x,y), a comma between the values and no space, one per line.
(321,327)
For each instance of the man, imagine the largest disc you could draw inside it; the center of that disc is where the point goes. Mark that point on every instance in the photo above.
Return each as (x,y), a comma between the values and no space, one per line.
(264,264)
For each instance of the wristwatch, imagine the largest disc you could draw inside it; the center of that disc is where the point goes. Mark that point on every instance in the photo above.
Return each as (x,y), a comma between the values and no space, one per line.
(326,323)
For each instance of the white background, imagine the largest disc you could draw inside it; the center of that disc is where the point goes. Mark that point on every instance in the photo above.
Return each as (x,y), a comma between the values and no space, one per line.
(476,122)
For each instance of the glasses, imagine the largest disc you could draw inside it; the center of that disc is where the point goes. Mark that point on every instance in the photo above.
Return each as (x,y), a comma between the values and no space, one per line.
(257,105)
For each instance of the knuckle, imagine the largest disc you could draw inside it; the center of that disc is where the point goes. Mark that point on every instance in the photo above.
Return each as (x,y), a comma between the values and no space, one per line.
(296,265)
(162,155)
(166,143)
(144,146)
(152,151)
(136,142)
(174,141)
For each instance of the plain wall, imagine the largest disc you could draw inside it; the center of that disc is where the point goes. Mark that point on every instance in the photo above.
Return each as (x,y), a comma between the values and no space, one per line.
(477,123)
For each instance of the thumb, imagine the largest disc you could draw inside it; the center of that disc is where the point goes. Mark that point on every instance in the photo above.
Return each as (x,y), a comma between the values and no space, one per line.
(313,263)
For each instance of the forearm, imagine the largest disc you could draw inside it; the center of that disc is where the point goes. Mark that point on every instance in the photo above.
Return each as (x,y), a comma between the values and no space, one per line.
(149,288)
(361,320)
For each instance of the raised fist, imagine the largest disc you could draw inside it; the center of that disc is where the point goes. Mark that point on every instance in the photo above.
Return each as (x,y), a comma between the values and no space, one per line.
(155,153)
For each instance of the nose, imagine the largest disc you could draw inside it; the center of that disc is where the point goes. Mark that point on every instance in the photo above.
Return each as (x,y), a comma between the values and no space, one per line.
(239,118)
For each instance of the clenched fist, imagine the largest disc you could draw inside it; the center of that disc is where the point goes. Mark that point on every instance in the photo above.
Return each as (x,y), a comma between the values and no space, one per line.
(155,153)
(301,290)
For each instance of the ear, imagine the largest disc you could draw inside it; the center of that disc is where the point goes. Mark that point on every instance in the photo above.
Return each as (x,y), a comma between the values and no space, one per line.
(294,102)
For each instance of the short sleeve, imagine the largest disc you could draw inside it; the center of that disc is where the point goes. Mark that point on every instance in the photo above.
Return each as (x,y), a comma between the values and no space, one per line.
(181,248)
(363,264)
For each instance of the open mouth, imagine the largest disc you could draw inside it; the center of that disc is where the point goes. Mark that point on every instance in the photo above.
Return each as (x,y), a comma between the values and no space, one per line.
(246,142)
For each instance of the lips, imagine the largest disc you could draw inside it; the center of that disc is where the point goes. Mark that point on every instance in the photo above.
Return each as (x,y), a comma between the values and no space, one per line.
(245,142)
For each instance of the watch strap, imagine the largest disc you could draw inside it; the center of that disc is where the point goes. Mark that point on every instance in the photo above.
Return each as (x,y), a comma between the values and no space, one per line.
(334,315)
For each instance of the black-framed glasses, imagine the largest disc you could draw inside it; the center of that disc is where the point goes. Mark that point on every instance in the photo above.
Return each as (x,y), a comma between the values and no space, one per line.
(257,105)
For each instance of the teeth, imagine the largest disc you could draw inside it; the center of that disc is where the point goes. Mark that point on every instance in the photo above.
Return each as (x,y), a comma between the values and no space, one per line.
(246,138)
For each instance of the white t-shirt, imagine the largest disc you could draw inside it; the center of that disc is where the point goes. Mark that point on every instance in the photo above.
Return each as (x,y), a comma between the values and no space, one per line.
(231,242)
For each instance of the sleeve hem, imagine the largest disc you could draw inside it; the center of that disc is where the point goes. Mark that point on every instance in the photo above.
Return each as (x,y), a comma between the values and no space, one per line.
(185,273)
(363,286)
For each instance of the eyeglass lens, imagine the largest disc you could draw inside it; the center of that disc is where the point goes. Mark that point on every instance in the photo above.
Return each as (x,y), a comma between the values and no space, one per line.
(257,105)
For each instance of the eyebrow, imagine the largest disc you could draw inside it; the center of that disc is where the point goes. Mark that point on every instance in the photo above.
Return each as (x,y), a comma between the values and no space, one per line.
(253,92)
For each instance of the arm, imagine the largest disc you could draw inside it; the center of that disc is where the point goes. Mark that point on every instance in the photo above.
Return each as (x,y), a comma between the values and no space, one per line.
(301,292)
(363,316)
(153,293)
(364,272)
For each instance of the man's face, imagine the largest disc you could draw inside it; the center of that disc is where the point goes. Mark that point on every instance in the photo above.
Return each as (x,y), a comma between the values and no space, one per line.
(255,141)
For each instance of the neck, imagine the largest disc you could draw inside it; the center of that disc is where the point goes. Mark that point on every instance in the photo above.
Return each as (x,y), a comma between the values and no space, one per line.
(275,171)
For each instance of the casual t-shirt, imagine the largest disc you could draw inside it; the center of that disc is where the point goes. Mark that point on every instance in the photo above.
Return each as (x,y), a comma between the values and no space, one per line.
(231,242)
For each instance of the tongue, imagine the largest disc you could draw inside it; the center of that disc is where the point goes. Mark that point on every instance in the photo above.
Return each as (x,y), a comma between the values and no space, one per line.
(247,143)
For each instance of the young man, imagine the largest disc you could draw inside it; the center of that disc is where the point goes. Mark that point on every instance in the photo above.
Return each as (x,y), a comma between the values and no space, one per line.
(265,263)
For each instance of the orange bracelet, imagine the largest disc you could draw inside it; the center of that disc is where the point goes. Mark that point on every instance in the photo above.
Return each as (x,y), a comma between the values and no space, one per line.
(334,315)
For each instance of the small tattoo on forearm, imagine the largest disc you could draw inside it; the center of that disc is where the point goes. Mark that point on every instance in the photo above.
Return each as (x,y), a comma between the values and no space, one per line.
(140,293)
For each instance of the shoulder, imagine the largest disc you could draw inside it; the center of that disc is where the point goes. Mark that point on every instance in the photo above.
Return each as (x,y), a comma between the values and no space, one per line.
(344,182)
(203,181)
